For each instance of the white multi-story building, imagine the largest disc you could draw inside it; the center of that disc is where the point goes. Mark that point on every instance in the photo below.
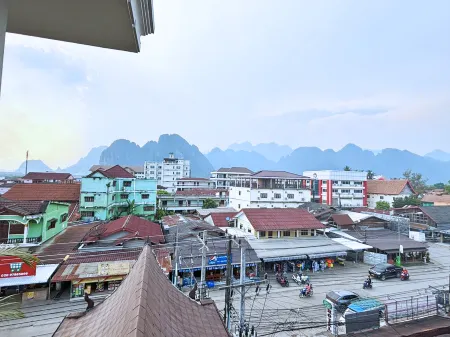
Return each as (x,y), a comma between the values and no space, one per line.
(387,190)
(187,184)
(344,189)
(269,189)
(223,176)
(168,171)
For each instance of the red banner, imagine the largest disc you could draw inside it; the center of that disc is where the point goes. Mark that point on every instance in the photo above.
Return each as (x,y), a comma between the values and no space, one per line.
(11,266)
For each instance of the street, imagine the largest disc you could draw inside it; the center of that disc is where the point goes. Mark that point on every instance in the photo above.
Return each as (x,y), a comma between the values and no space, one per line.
(283,309)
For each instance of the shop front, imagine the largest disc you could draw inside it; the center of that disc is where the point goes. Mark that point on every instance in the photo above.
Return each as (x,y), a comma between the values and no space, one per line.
(95,279)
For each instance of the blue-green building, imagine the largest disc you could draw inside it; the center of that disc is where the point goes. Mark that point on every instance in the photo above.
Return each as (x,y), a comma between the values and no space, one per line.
(115,192)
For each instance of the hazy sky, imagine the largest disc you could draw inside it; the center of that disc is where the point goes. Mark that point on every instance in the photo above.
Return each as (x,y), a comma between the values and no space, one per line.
(302,73)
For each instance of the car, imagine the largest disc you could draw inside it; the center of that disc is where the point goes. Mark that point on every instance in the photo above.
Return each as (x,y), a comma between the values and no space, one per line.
(342,298)
(383,271)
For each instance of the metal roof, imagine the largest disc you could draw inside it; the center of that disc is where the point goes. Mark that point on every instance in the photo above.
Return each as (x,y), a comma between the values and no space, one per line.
(43,274)
(352,244)
(297,248)
(366,304)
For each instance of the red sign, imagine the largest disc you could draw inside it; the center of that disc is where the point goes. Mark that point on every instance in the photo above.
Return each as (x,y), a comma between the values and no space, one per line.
(11,266)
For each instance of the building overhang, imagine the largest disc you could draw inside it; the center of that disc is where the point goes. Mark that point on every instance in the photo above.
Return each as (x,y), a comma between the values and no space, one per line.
(113,24)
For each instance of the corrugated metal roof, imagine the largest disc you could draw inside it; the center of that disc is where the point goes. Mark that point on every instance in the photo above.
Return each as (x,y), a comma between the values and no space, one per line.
(352,244)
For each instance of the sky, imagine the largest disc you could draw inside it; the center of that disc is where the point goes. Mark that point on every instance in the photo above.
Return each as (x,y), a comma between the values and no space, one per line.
(301,73)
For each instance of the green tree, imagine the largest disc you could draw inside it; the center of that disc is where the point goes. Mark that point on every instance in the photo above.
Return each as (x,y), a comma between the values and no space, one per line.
(130,209)
(161,213)
(447,187)
(418,182)
(162,192)
(7,309)
(347,168)
(440,186)
(407,201)
(209,203)
(370,175)
(383,205)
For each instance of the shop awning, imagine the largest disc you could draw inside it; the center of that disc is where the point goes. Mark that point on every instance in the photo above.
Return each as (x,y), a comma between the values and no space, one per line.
(43,274)
(351,244)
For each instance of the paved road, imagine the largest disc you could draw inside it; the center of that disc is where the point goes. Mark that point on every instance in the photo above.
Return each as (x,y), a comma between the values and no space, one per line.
(283,305)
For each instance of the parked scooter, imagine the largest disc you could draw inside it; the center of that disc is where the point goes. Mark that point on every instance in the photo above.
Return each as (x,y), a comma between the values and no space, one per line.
(282,280)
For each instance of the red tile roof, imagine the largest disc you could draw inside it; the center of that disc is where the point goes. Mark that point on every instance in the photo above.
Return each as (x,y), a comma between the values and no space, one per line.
(135,226)
(342,219)
(116,171)
(281,219)
(47,176)
(66,242)
(146,305)
(387,187)
(220,219)
(23,208)
(201,192)
(44,192)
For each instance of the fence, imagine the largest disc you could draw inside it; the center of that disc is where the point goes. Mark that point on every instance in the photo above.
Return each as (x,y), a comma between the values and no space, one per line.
(410,308)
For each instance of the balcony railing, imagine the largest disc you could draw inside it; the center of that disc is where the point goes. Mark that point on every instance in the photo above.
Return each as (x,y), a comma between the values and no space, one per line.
(13,241)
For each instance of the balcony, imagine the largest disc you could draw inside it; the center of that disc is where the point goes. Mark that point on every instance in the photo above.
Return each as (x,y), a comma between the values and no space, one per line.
(15,241)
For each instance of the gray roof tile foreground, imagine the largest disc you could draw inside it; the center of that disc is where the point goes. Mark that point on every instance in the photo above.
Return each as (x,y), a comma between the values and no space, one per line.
(146,304)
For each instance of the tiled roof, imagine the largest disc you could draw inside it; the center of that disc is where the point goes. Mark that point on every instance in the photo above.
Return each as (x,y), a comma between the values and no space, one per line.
(134,225)
(387,187)
(207,211)
(342,219)
(444,198)
(116,171)
(46,176)
(104,256)
(220,219)
(22,207)
(44,192)
(235,170)
(281,219)
(106,167)
(439,214)
(66,242)
(194,179)
(200,192)
(146,304)
(277,174)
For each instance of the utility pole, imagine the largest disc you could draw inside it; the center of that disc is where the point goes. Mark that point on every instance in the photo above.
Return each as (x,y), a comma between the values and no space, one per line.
(242,283)
(203,273)
(228,284)
(175,275)
(26,164)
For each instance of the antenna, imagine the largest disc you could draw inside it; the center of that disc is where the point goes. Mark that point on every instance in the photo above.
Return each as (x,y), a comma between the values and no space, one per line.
(26,164)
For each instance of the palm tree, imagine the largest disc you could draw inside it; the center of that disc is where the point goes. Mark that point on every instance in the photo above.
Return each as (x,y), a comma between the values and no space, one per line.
(347,168)
(370,175)
(6,312)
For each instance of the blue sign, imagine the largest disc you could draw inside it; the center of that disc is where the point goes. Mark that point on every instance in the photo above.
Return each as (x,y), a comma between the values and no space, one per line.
(217,260)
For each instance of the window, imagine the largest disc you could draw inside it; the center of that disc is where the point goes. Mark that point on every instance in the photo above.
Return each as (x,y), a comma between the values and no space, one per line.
(249,230)
(124,196)
(346,182)
(180,203)
(324,190)
(87,214)
(64,217)
(270,234)
(286,233)
(277,196)
(127,183)
(381,197)
(164,202)
(304,232)
(145,196)
(324,182)
(152,172)
(335,190)
(262,234)
(114,183)
(239,192)
(290,196)
(51,224)
(358,191)
(152,167)
(113,197)
(345,191)
(149,208)
(239,205)
(263,195)
(88,199)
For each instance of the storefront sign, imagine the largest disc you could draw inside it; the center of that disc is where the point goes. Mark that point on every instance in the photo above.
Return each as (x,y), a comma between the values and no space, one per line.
(217,259)
(113,268)
(15,267)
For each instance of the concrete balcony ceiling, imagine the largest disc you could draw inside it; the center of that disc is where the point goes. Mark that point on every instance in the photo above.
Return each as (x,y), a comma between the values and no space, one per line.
(113,24)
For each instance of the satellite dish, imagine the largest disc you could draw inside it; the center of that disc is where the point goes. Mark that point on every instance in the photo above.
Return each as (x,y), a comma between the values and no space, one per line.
(227,218)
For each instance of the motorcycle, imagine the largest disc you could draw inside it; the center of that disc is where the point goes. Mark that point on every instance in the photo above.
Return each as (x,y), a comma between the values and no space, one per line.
(367,285)
(283,281)
(404,277)
(303,292)
(299,278)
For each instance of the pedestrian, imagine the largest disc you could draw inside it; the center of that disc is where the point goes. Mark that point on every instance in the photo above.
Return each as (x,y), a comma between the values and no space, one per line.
(265,276)
(268,288)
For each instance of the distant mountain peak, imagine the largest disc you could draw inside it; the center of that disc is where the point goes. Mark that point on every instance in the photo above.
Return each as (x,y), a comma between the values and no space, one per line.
(439,155)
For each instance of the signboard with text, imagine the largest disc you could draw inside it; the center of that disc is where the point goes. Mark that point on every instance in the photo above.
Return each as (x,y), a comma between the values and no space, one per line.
(217,260)
(11,266)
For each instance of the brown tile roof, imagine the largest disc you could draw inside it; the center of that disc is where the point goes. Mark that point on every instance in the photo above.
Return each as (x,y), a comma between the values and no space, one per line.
(220,219)
(281,219)
(342,219)
(133,225)
(235,170)
(277,174)
(44,192)
(116,171)
(23,208)
(387,187)
(201,192)
(444,198)
(46,176)
(106,167)
(66,242)
(146,304)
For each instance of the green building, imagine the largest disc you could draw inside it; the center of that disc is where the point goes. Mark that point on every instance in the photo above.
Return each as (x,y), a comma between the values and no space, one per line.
(115,192)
